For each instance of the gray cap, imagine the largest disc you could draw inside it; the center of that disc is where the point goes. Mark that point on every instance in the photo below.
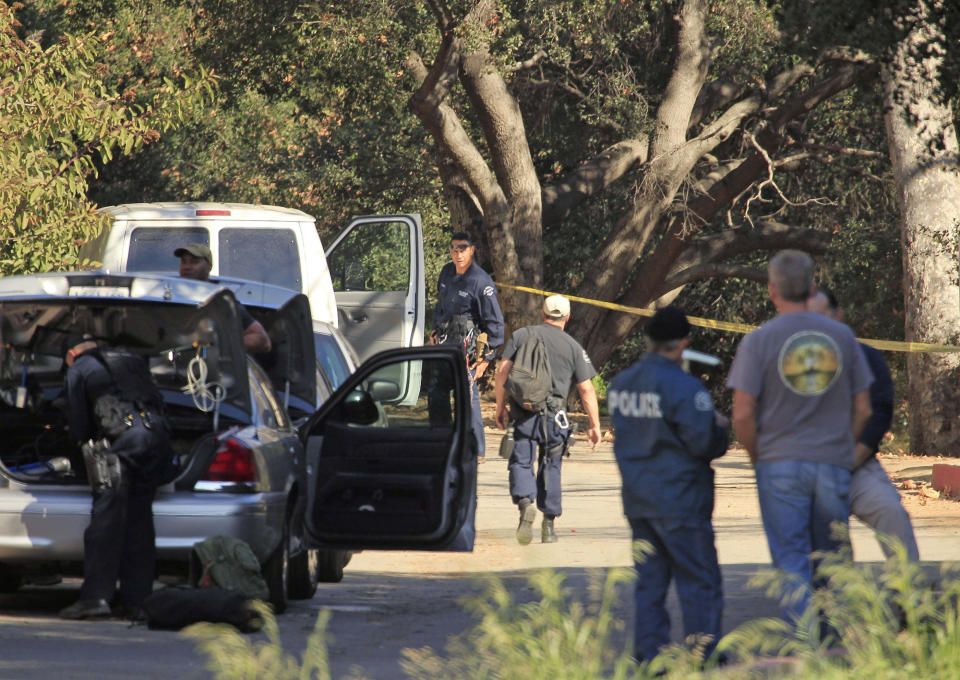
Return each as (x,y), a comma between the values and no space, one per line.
(195,249)
(556,307)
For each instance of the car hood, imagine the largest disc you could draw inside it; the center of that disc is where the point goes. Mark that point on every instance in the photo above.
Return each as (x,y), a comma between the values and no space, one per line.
(142,315)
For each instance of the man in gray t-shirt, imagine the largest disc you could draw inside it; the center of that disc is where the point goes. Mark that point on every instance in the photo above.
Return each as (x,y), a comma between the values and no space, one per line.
(800,400)
(543,436)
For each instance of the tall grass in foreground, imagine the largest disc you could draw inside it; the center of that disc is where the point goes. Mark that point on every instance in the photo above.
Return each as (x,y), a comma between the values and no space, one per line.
(889,621)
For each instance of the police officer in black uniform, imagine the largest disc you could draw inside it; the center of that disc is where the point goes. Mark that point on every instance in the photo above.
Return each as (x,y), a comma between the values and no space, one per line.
(466,307)
(119,543)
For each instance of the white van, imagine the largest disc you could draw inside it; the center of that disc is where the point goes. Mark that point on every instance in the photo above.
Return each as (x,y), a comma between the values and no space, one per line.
(369,283)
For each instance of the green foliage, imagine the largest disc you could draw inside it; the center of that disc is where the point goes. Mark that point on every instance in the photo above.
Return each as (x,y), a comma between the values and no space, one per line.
(890,620)
(233,656)
(58,122)
(552,637)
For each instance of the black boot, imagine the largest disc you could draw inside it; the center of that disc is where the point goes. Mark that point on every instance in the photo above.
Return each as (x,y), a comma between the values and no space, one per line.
(528,513)
(547,535)
(86,609)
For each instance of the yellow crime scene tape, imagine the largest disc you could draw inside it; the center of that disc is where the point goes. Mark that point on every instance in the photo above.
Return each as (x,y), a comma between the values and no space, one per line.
(890,345)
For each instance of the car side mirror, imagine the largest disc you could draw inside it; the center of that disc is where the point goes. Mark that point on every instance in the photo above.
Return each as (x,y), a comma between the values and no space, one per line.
(359,408)
(383,390)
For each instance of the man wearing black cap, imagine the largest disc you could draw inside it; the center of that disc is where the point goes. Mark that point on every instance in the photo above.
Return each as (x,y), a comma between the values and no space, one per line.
(114,398)
(666,433)
(196,261)
(466,307)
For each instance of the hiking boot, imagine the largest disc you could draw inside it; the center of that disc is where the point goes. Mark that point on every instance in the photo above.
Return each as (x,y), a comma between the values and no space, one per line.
(528,513)
(86,609)
(547,535)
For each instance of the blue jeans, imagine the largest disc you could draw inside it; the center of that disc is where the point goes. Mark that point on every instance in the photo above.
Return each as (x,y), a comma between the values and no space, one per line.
(685,551)
(799,501)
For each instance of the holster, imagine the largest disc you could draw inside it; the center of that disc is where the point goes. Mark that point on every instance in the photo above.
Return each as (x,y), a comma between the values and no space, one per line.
(567,444)
(104,470)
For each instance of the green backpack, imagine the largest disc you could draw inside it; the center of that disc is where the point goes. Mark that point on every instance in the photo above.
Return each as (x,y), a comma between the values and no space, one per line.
(529,383)
(230,564)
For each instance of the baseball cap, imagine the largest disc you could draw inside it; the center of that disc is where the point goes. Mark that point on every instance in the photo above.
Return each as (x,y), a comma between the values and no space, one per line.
(556,307)
(668,323)
(72,339)
(195,249)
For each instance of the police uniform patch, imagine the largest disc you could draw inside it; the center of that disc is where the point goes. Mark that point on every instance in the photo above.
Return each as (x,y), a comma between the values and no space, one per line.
(809,363)
(488,291)
(702,401)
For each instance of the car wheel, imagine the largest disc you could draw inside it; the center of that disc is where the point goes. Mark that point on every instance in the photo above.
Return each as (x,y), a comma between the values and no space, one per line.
(10,579)
(304,575)
(276,572)
(330,564)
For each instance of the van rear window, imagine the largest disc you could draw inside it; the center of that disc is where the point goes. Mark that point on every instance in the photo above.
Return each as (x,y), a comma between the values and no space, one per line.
(267,255)
(151,248)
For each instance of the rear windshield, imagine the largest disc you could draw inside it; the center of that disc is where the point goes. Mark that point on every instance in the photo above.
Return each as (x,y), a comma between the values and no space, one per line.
(151,248)
(268,255)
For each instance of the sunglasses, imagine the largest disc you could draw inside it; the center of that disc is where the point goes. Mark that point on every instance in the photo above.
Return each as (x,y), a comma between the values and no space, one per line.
(459,247)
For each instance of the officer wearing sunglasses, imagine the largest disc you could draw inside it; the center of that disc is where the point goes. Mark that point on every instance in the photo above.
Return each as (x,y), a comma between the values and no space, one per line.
(466,307)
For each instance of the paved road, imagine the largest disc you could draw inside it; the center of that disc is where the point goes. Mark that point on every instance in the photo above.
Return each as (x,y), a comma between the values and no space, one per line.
(395,600)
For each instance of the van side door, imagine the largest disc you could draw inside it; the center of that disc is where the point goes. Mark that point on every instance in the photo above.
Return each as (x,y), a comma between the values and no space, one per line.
(376,265)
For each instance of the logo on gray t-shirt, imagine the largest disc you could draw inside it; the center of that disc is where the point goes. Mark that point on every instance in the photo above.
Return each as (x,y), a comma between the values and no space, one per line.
(809,363)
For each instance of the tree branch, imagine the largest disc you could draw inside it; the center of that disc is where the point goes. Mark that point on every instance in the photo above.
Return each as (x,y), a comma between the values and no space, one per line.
(444,125)
(589,179)
(689,73)
(765,235)
(711,271)
(529,63)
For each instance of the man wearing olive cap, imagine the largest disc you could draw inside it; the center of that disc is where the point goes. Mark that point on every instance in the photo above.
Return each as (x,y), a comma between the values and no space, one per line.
(666,433)
(196,261)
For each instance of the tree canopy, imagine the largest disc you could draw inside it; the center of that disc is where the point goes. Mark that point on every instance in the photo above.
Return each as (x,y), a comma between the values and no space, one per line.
(59,122)
(623,151)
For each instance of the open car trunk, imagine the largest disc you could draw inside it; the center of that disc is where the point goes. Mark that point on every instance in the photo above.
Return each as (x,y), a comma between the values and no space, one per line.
(175,339)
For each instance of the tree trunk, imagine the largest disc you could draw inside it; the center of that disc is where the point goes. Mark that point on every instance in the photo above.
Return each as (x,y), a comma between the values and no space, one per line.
(924,154)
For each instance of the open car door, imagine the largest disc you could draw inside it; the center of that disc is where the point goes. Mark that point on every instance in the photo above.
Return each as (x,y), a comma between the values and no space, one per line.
(390,475)
(376,265)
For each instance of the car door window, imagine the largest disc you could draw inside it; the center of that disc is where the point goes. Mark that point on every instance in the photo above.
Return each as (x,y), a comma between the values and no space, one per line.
(372,257)
(151,248)
(432,408)
(267,255)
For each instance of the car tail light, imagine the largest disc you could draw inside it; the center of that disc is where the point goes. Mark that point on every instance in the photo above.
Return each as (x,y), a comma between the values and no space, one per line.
(232,463)
(206,213)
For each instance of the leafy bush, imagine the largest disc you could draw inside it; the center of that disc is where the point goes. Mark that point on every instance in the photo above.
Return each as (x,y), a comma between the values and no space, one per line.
(887,621)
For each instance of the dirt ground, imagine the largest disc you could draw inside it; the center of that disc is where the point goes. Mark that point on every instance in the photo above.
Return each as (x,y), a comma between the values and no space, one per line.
(910,474)
(390,601)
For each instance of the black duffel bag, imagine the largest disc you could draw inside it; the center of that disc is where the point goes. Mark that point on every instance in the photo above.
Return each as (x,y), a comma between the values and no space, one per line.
(176,607)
